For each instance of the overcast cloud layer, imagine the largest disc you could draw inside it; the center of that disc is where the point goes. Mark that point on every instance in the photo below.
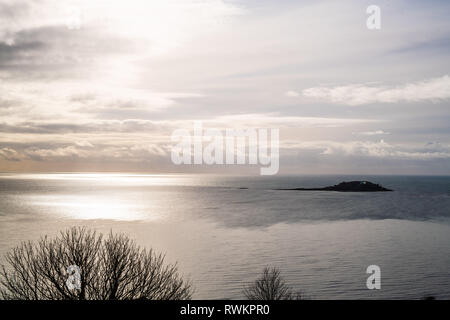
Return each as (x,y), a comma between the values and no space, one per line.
(101,85)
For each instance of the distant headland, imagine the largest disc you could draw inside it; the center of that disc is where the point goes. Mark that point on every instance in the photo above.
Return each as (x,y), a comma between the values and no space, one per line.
(351,186)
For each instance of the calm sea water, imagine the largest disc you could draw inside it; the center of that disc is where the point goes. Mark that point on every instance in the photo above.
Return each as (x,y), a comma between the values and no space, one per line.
(223,230)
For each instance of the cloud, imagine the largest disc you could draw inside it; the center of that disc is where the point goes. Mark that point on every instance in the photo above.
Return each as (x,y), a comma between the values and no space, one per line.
(136,152)
(164,24)
(92,126)
(9,154)
(274,120)
(133,71)
(164,127)
(380,149)
(11,53)
(84,143)
(292,93)
(358,94)
(70,102)
(141,151)
(372,133)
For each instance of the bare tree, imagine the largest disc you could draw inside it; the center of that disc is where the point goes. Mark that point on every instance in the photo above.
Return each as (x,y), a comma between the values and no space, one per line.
(111,268)
(270,286)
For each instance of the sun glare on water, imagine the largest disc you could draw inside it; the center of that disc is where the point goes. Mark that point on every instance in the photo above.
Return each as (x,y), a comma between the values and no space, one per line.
(90,200)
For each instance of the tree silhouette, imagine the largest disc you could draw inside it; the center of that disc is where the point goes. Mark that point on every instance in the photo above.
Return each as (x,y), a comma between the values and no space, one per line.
(270,286)
(83,265)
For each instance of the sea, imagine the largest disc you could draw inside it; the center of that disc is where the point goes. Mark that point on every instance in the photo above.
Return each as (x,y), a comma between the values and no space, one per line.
(223,230)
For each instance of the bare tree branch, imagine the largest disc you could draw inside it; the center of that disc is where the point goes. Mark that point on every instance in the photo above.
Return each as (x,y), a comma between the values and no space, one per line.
(270,286)
(111,268)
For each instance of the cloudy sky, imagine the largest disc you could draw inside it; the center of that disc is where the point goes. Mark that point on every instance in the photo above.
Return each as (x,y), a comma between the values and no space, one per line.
(101,85)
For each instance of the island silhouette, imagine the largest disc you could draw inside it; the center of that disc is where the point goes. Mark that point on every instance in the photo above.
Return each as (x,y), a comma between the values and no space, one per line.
(350,186)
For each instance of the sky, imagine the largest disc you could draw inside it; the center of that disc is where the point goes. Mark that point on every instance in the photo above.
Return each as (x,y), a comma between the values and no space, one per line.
(101,85)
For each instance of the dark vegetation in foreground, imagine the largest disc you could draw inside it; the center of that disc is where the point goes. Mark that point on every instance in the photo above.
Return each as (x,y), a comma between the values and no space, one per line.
(81,264)
(271,286)
(109,268)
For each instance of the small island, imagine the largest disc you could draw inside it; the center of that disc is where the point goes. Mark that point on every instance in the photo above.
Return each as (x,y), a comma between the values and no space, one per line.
(351,186)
